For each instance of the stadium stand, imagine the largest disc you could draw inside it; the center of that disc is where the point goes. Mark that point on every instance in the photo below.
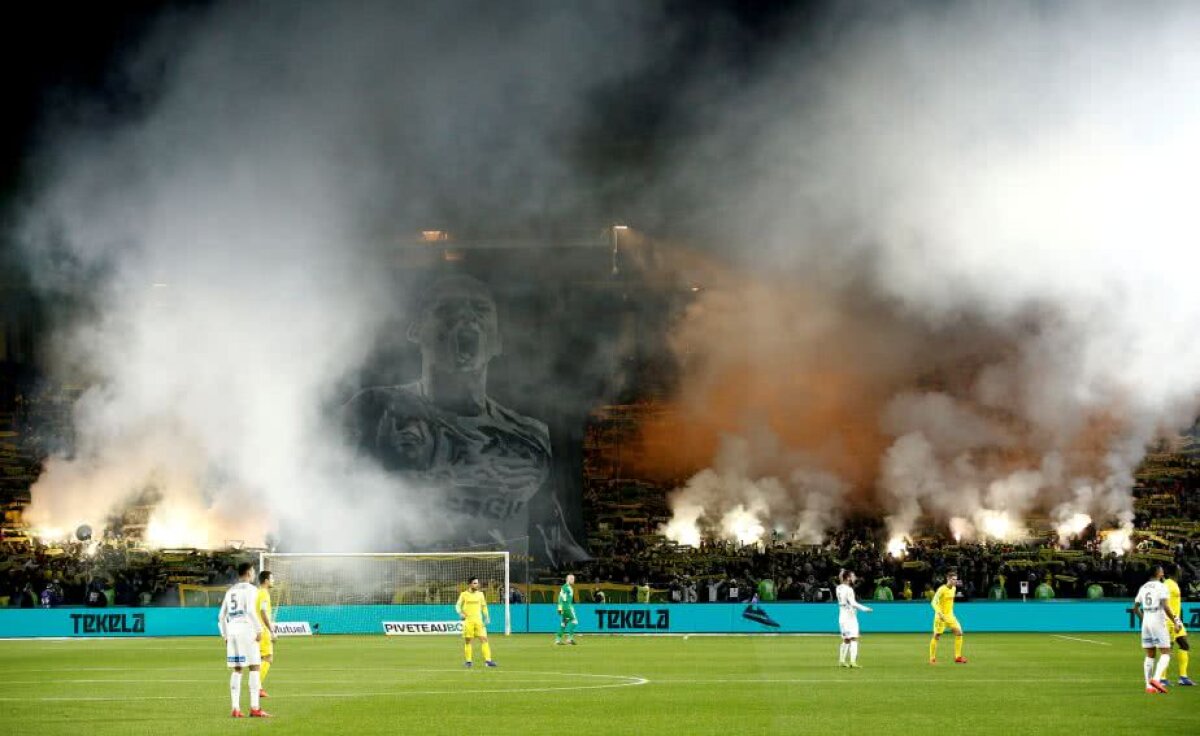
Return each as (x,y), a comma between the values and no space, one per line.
(631,561)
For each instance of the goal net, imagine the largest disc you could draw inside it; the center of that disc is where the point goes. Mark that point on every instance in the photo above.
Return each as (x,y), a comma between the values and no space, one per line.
(360,593)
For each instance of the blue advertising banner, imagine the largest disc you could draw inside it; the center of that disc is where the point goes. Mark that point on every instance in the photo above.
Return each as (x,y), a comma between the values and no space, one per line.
(107,622)
(889,617)
(711,618)
(131,622)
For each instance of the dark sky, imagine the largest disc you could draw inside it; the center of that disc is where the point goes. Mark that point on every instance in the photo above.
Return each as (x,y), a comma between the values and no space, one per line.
(65,51)
(59,48)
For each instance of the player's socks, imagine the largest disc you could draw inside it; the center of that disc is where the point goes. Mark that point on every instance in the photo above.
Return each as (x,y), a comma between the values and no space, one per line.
(1163,661)
(958,644)
(933,644)
(842,651)
(487,651)
(235,689)
(262,673)
(1148,668)
(467,652)
(571,630)
(1183,656)
(853,653)
(255,687)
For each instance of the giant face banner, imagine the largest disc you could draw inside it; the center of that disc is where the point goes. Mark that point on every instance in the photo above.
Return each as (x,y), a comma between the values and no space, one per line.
(478,397)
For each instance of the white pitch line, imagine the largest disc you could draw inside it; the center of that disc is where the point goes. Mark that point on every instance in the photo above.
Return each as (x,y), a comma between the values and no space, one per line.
(1086,641)
(629,682)
(866,681)
(220,665)
(223,681)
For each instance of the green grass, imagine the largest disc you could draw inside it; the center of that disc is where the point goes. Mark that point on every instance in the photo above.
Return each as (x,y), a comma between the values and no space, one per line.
(1015,684)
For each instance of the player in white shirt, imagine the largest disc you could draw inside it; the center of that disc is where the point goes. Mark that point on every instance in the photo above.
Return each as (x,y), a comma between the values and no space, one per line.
(242,630)
(1151,607)
(848,608)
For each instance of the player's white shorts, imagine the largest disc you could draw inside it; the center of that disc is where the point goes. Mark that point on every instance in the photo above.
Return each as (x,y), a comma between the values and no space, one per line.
(241,650)
(1154,634)
(848,626)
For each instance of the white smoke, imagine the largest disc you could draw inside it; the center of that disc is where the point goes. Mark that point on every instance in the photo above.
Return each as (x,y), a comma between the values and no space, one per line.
(739,503)
(1021,168)
(236,236)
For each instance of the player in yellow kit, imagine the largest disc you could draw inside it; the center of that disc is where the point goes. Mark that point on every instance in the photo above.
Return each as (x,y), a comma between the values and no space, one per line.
(943,618)
(266,645)
(472,609)
(1178,634)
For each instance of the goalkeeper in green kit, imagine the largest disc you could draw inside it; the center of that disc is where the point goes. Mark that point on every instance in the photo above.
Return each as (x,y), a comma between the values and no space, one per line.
(567,621)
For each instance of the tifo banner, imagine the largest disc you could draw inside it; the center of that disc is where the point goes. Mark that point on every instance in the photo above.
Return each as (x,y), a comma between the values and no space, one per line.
(422,628)
(714,618)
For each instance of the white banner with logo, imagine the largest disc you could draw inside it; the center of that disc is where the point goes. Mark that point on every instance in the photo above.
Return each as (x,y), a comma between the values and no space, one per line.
(292,628)
(422,628)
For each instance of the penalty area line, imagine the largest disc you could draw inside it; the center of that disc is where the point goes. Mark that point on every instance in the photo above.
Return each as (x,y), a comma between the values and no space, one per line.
(1085,641)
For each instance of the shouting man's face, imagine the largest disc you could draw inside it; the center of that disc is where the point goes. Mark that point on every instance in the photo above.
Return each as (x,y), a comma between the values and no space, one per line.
(457,328)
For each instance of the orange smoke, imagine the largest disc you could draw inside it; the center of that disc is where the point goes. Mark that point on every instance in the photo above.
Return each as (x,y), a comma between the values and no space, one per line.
(782,356)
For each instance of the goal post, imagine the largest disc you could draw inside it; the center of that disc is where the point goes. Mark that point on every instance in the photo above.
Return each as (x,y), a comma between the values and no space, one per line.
(358,592)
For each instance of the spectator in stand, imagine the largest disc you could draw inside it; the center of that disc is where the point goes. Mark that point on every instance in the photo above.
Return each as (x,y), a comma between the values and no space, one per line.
(714,591)
(733,591)
(766,590)
(1044,591)
(997,591)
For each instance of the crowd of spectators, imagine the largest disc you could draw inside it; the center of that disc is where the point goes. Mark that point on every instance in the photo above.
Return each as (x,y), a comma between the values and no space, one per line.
(631,555)
(725,572)
(630,551)
(36,574)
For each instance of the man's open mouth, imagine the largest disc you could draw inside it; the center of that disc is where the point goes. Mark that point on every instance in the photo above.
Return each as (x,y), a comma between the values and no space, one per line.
(466,341)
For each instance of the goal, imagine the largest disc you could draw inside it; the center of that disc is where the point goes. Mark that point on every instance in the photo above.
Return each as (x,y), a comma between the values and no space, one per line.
(361,592)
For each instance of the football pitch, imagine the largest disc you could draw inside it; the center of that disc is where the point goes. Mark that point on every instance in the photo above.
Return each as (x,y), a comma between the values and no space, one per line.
(1014,684)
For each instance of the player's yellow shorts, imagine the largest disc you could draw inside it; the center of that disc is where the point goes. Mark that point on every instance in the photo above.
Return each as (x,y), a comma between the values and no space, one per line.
(472,629)
(266,647)
(942,623)
(1173,632)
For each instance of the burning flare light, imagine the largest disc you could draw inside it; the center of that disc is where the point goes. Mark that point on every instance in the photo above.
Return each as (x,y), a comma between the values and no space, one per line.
(683,528)
(1117,541)
(742,525)
(1072,527)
